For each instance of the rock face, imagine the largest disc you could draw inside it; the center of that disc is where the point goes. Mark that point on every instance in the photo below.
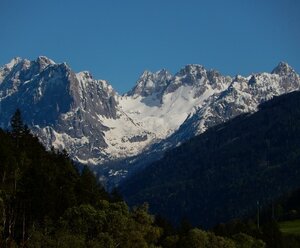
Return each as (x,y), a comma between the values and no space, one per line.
(96,125)
(151,83)
(61,107)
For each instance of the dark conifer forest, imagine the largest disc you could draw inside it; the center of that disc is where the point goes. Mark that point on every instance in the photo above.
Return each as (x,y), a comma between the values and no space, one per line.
(228,171)
(46,201)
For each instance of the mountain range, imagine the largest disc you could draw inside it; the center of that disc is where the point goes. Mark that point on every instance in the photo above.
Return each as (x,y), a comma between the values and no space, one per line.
(98,126)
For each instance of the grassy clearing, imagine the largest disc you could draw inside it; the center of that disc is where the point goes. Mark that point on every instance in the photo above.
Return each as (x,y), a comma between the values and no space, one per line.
(290,227)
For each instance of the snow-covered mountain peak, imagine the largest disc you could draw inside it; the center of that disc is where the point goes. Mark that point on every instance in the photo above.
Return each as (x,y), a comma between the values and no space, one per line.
(150,83)
(7,68)
(238,77)
(160,102)
(43,61)
(283,68)
(192,70)
(107,87)
(85,75)
(163,73)
(202,81)
(13,62)
(190,75)
(86,81)
(145,74)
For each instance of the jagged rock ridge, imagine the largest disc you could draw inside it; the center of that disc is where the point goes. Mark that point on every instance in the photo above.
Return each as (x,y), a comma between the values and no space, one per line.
(96,125)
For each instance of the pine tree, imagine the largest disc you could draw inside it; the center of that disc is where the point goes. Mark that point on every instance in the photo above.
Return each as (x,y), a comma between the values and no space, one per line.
(17,126)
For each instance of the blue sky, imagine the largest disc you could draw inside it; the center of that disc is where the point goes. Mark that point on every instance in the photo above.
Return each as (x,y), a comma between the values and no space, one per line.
(117,40)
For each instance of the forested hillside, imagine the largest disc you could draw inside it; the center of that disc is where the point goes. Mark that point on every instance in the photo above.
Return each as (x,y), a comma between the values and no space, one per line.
(46,202)
(227,171)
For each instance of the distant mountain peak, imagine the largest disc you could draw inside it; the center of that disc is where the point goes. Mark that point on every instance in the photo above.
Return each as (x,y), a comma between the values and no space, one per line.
(283,68)
(192,69)
(85,75)
(13,62)
(151,82)
(45,60)
(147,73)
(163,72)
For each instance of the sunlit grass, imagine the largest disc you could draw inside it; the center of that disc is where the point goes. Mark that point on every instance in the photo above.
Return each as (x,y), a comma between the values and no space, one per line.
(290,227)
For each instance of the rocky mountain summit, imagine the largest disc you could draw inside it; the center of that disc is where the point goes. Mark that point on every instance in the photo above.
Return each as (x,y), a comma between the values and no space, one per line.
(60,106)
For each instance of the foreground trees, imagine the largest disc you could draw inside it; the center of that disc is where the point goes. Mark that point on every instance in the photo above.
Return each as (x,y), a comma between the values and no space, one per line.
(45,201)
